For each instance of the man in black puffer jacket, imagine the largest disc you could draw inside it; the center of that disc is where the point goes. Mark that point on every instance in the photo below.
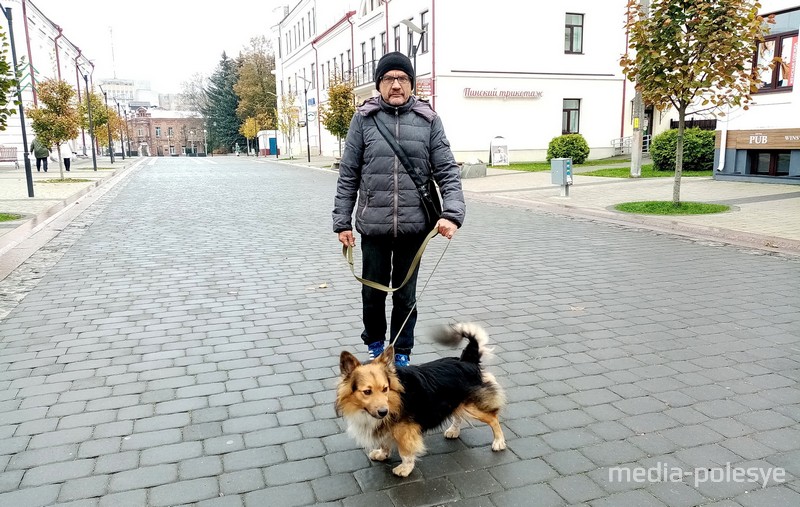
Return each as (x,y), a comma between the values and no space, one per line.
(390,215)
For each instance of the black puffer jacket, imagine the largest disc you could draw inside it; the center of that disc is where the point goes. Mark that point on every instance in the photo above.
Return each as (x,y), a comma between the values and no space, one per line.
(388,201)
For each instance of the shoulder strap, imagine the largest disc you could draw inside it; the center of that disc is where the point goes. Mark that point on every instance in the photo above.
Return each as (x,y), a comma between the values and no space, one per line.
(412,170)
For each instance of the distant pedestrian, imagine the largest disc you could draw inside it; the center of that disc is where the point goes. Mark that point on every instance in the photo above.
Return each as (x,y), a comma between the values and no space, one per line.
(66,153)
(41,152)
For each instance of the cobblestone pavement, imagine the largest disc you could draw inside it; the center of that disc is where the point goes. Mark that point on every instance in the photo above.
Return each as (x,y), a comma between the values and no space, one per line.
(177,344)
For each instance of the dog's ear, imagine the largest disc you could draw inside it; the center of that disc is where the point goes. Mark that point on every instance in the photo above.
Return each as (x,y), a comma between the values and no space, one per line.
(387,356)
(348,363)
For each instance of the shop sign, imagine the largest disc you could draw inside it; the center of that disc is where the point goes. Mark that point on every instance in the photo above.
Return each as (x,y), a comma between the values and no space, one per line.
(472,93)
(764,139)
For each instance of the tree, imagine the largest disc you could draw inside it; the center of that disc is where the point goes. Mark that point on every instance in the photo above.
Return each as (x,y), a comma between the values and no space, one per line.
(8,82)
(339,110)
(693,51)
(249,130)
(289,117)
(194,93)
(100,117)
(58,120)
(222,104)
(256,84)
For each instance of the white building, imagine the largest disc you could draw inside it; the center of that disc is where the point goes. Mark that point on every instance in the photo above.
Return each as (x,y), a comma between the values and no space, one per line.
(525,71)
(43,52)
(763,143)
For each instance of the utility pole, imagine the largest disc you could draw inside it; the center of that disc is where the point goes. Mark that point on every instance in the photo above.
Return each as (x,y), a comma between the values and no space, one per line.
(639,119)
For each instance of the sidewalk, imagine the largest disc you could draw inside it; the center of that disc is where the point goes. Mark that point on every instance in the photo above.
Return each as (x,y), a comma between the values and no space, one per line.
(762,216)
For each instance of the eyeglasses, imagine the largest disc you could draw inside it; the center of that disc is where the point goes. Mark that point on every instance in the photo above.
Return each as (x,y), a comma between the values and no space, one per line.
(403,80)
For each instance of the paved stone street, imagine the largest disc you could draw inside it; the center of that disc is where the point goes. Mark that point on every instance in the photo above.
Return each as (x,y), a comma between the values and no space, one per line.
(178,344)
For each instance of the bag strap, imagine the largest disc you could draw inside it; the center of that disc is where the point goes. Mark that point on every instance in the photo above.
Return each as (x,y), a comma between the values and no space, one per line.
(347,251)
(412,170)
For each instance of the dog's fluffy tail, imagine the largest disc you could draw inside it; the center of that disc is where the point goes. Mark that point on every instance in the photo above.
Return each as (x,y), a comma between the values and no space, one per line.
(476,349)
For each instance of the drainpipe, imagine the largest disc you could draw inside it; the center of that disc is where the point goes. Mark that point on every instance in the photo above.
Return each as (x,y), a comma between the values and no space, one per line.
(58,59)
(433,54)
(78,81)
(30,55)
(624,85)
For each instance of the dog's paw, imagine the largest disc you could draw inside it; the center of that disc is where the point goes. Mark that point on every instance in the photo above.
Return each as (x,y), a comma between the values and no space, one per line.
(452,432)
(378,455)
(499,445)
(403,469)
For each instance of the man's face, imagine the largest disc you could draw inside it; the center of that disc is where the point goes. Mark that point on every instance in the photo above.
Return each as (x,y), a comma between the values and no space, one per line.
(395,87)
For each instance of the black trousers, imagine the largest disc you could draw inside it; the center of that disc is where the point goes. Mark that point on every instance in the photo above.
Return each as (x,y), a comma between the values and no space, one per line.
(66,163)
(39,162)
(387,259)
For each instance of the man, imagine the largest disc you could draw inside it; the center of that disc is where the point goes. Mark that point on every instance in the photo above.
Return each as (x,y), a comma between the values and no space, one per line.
(390,216)
(41,151)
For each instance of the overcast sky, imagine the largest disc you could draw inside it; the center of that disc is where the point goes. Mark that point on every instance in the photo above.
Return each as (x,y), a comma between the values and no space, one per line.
(161,41)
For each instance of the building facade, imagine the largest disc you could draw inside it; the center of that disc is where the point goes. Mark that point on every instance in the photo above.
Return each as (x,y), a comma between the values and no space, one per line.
(163,133)
(489,72)
(44,51)
(762,144)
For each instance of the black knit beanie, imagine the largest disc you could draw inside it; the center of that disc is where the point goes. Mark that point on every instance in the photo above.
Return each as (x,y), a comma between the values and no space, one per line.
(393,61)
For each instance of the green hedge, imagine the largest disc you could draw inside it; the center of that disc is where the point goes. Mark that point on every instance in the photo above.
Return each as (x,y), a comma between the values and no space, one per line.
(572,146)
(698,150)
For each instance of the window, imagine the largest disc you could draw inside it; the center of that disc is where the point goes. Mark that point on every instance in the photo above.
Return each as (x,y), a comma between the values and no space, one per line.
(158,131)
(383,43)
(770,162)
(783,46)
(313,75)
(410,40)
(170,132)
(573,33)
(322,74)
(364,54)
(570,119)
(397,38)
(349,61)
(423,19)
(373,49)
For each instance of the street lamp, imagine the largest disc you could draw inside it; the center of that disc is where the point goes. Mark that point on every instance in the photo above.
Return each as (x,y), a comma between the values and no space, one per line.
(205,143)
(305,97)
(121,132)
(28,173)
(108,124)
(414,28)
(91,124)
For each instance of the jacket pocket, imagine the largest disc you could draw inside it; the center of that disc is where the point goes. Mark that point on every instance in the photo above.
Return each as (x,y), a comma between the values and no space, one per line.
(365,206)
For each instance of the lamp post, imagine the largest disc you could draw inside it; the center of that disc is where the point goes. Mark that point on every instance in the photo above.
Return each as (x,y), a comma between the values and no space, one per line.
(205,143)
(121,132)
(91,124)
(28,173)
(108,124)
(414,28)
(305,97)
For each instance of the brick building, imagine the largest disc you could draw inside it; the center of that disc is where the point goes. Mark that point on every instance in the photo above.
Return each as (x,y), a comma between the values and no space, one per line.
(161,133)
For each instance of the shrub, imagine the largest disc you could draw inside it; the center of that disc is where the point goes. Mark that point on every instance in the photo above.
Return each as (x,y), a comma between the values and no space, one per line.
(698,150)
(572,146)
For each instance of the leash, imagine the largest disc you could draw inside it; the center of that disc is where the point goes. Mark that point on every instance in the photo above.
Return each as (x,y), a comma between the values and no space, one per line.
(347,251)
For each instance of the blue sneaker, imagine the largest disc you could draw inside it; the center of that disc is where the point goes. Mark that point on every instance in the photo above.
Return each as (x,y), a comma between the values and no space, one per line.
(375,349)
(401,360)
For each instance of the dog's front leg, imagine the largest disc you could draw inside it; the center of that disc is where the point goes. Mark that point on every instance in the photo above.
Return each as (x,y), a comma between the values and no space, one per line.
(409,444)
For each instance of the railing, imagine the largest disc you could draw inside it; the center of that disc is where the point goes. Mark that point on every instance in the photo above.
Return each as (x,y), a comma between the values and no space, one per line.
(701,124)
(622,145)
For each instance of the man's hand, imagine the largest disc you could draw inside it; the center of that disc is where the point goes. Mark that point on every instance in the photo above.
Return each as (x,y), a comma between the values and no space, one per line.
(446,228)
(347,239)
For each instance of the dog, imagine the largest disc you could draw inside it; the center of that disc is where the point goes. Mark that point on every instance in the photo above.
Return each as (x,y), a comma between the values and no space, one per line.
(385,406)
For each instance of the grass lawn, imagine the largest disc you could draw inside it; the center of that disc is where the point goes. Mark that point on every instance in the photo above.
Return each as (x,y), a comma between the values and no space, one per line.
(612,172)
(7,217)
(545,166)
(668,208)
(65,180)
(647,172)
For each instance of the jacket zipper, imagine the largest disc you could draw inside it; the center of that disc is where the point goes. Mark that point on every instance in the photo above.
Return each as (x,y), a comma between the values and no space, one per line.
(396,170)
